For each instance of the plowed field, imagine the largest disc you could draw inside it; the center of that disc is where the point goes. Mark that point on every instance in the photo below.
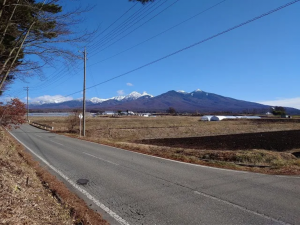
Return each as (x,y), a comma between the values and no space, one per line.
(275,141)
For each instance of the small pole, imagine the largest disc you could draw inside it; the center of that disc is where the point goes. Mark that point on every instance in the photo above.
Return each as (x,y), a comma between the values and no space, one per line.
(80,118)
(83,107)
(80,128)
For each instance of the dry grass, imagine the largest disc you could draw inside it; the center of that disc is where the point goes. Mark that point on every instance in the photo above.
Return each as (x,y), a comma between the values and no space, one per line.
(23,203)
(30,195)
(121,132)
(137,128)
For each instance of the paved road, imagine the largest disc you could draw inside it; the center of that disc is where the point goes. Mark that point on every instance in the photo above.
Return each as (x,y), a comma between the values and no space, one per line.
(137,189)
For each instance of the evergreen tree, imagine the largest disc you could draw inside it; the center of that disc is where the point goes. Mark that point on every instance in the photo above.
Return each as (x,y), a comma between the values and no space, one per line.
(28,27)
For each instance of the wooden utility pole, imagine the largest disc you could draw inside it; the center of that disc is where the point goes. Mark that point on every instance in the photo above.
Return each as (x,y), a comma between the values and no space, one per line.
(83,101)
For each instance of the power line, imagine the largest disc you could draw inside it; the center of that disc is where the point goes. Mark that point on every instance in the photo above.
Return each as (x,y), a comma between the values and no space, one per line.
(51,79)
(63,71)
(135,28)
(190,18)
(124,23)
(115,21)
(195,44)
(59,78)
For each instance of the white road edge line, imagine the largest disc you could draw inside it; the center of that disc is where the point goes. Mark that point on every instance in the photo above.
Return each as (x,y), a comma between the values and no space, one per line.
(100,159)
(57,143)
(88,195)
(241,208)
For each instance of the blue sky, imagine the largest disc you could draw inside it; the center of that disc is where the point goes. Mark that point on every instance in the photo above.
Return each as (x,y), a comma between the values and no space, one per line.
(258,62)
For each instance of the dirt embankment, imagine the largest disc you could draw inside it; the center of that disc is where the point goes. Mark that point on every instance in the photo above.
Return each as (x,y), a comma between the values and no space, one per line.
(30,195)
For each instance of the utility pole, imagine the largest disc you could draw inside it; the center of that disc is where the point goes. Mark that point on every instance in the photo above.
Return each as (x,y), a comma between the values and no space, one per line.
(27,89)
(83,102)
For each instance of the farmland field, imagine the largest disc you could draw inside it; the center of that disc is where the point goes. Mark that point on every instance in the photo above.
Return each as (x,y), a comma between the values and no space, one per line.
(189,139)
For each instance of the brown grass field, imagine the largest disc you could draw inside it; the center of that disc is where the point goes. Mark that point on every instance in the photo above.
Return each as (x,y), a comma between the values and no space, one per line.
(134,133)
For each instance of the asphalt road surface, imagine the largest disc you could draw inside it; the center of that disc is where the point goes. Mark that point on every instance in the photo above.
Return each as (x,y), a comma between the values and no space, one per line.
(133,188)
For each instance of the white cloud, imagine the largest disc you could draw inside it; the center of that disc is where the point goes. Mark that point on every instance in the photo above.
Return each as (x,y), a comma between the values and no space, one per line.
(5,99)
(121,92)
(288,102)
(129,84)
(49,99)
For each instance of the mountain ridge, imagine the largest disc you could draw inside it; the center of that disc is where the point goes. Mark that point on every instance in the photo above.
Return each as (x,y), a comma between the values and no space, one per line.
(196,101)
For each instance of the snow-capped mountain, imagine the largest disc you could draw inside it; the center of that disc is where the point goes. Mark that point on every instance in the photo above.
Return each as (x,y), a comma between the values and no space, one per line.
(195,101)
(132,96)
(118,98)
(135,95)
(46,99)
(97,100)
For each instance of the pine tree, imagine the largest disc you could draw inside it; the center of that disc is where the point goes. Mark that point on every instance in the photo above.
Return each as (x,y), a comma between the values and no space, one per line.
(28,27)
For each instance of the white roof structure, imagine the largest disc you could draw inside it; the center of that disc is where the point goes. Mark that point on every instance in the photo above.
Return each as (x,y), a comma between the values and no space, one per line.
(206,118)
(248,117)
(219,118)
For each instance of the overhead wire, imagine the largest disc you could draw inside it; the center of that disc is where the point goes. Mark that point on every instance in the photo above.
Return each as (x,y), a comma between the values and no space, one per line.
(133,29)
(193,45)
(113,23)
(63,71)
(165,31)
(124,23)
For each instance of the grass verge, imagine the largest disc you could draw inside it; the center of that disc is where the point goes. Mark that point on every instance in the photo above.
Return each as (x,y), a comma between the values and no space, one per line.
(258,160)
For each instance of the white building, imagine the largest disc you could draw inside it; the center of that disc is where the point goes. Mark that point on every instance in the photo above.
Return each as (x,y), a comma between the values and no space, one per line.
(219,118)
(109,113)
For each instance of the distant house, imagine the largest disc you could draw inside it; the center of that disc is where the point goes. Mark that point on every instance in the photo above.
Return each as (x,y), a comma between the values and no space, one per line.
(145,114)
(109,113)
(127,113)
(131,113)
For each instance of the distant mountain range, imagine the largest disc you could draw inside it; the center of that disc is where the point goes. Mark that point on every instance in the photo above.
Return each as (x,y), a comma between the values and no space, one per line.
(198,100)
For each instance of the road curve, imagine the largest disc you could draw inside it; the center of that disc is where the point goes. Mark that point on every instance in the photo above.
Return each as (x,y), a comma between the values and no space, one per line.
(134,188)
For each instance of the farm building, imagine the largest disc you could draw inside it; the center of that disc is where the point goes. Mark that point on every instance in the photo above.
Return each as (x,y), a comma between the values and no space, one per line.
(110,113)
